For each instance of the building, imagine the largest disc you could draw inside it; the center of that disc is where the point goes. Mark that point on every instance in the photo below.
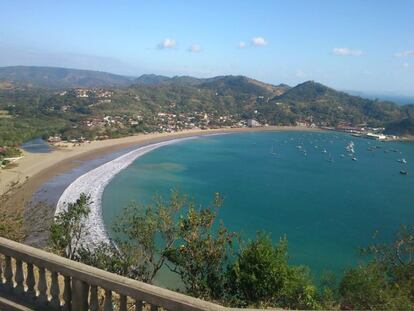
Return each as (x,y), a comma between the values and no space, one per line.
(253,123)
(376,136)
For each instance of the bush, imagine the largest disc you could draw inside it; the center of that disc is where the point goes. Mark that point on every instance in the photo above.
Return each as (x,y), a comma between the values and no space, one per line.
(262,277)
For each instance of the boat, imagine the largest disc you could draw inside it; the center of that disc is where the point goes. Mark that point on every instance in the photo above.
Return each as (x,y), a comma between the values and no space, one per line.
(273,152)
(403,161)
(350,147)
(354,159)
(403,172)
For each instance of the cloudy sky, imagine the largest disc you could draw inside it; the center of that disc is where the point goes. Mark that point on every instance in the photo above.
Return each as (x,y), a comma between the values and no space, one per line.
(353,45)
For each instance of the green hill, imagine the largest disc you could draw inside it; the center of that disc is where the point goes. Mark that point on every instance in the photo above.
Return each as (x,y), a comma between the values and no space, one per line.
(40,110)
(150,79)
(321,104)
(60,78)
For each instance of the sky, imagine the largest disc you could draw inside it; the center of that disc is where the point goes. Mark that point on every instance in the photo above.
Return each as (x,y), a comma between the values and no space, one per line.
(363,45)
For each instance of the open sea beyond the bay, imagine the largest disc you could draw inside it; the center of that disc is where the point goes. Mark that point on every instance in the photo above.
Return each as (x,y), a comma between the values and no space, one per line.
(300,184)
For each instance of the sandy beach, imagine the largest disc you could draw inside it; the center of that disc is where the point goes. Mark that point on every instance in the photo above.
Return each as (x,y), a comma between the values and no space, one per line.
(18,184)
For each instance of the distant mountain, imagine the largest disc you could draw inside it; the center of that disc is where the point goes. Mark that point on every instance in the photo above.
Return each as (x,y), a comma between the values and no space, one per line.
(326,105)
(310,91)
(60,78)
(151,79)
(242,84)
(221,84)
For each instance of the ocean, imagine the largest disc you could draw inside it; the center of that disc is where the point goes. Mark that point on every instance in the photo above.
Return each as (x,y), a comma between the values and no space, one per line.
(300,184)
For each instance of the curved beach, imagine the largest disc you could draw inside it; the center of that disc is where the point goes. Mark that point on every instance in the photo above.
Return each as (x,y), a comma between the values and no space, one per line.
(93,184)
(18,185)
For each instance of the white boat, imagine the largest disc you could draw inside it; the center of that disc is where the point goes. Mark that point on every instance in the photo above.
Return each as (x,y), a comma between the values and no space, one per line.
(273,152)
(350,147)
(403,161)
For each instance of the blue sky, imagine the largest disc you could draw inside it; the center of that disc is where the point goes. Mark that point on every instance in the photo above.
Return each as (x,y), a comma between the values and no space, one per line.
(350,45)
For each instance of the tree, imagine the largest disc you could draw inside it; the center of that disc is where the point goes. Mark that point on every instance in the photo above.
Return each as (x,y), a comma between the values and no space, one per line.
(202,252)
(147,233)
(262,277)
(363,288)
(68,228)
(387,280)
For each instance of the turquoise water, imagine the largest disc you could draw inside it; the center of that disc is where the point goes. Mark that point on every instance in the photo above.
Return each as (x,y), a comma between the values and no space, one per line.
(327,205)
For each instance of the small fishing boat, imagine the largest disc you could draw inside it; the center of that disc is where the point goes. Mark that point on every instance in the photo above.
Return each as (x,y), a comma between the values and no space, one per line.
(350,147)
(403,172)
(403,161)
(354,159)
(273,152)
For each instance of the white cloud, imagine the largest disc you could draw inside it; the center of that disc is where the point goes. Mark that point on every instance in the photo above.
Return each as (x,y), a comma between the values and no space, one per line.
(300,73)
(195,48)
(259,41)
(346,52)
(404,53)
(167,44)
(242,45)
(406,65)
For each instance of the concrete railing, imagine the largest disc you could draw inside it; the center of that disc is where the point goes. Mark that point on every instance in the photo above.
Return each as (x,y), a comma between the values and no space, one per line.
(50,282)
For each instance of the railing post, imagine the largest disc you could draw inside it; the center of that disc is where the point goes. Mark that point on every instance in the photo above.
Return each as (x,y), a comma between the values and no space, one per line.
(54,291)
(79,295)
(138,305)
(67,294)
(93,300)
(18,277)
(30,281)
(1,272)
(108,301)
(42,286)
(8,273)
(123,303)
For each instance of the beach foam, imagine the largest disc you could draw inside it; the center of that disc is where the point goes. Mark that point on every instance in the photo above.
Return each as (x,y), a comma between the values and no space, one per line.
(93,184)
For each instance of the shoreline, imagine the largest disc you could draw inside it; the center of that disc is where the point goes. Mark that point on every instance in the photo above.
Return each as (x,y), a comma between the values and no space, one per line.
(18,185)
(93,183)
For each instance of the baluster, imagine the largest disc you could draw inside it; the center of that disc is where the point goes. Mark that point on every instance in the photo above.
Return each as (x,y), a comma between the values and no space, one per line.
(30,281)
(154,308)
(42,286)
(80,292)
(108,301)
(8,273)
(138,305)
(18,277)
(55,291)
(1,272)
(93,300)
(122,303)
(67,294)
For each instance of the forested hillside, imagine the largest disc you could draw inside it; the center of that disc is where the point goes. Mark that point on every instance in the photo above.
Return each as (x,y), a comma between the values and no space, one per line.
(39,101)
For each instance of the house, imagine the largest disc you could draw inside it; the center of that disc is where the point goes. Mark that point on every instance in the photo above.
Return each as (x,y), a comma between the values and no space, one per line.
(253,123)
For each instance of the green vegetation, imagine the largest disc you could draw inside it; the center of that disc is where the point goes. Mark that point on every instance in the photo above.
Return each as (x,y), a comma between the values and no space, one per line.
(68,229)
(188,240)
(60,78)
(262,277)
(41,102)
